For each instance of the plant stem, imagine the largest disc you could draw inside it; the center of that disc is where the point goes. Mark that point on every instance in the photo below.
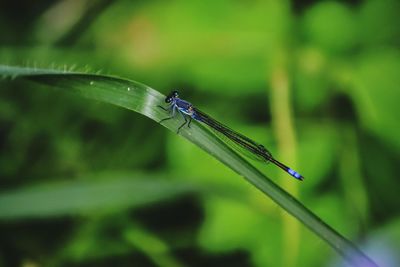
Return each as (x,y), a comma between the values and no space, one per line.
(282,120)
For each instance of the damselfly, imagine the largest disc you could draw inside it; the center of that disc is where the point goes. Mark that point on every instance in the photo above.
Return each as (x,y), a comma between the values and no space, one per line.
(247,146)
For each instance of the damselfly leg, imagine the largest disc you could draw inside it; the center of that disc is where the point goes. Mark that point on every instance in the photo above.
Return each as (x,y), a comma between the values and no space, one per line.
(183,124)
(172,115)
(163,108)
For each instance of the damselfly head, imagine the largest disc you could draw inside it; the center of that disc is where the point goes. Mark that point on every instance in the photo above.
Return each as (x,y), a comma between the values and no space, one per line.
(171,96)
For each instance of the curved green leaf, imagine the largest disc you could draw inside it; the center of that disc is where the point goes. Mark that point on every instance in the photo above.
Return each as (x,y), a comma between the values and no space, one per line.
(143,99)
(93,193)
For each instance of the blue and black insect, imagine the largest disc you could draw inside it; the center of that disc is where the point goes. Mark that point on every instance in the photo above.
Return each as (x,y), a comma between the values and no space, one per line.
(240,142)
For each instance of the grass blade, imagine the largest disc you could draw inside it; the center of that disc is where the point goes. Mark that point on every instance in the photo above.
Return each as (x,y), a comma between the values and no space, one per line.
(99,193)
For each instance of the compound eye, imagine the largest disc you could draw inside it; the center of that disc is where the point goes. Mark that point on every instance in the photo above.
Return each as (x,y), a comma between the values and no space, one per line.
(175,93)
(168,99)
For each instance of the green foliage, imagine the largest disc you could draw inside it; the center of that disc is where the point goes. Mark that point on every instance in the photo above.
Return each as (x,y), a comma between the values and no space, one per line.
(99,193)
(138,97)
(167,202)
(376,81)
(332,26)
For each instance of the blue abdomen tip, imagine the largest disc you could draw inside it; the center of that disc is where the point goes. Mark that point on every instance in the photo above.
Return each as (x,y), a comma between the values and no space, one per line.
(295,174)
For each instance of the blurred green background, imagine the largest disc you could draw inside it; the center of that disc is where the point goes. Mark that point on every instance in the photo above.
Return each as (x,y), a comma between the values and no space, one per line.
(88,184)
